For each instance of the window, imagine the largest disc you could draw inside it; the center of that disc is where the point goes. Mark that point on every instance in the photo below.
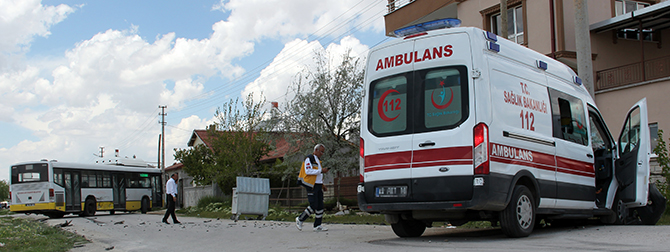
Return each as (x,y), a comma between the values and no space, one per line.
(58,177)
(569,119)
(29,173)
(653,135)
(630,136)
(441,96)
(390,103)
(514,25)
(626,6)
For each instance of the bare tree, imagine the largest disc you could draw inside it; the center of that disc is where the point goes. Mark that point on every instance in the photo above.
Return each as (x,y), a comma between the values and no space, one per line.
(326,109)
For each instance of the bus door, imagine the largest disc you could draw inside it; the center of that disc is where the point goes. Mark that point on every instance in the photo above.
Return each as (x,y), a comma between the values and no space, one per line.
(72,190)
(157,190)
(119,190)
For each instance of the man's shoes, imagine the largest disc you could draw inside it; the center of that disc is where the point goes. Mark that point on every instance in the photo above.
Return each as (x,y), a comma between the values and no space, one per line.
(298,223)
(166,222)
(176,222)
(320,229)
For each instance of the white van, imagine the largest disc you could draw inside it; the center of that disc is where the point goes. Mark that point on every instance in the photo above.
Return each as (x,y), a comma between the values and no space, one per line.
(459,125)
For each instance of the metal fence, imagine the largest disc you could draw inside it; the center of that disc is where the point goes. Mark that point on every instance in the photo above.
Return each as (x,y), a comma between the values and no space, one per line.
(291,197)
(633,73)
(397,4)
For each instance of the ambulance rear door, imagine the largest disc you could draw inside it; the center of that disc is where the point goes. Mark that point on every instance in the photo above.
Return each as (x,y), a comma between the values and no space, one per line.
(444,119)
(632,167)
(387,136)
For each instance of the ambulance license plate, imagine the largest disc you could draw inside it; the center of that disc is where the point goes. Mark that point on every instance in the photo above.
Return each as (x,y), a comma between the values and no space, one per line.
(30,204)
(390,191)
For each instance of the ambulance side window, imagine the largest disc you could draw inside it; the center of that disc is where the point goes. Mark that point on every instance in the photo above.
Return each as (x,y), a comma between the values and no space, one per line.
(569,119)
(390,106)
(445,98)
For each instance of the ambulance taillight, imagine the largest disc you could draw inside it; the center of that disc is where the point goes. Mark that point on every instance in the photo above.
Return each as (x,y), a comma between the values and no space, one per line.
(361,160)
(481,149)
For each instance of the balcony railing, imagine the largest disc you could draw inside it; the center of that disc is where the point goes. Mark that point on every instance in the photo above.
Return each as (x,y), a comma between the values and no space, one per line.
(397,4)
(633,73)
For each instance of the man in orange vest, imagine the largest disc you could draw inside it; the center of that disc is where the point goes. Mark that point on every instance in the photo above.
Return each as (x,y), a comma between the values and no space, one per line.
(311,177)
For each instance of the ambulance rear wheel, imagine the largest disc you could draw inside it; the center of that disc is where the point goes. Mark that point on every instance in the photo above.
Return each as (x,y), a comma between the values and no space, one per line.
(408,228)
(518,218)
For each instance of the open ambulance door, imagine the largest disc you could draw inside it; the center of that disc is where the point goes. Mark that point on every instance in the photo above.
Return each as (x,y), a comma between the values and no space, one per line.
(632,167)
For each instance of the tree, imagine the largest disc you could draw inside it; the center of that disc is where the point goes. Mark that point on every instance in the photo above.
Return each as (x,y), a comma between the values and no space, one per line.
(238,141)
(663,161)
(4,190)
(326,109)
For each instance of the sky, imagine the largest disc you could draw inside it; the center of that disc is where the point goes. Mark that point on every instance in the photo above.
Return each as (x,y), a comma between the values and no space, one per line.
(77,75)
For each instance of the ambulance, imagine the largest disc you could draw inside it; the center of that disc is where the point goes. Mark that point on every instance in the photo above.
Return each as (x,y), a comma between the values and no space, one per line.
(459,125)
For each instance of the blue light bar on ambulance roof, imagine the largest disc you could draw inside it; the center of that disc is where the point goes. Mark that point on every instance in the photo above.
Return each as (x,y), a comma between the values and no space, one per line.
(493,46)
(491,36)
(541,64)
(427,26)
(577,81)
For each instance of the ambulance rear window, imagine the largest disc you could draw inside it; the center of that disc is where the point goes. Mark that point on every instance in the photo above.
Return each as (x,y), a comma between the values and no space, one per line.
(419,101)
(442,98)
(390,103)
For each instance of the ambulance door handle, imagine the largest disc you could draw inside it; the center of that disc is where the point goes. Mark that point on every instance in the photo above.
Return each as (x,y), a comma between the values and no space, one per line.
(589,155)
(427,143)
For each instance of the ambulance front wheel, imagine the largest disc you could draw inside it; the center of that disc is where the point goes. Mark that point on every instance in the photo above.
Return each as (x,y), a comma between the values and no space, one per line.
(408,228)
(518,218)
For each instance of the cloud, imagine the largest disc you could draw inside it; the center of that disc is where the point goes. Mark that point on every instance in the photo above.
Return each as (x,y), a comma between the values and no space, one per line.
(22,20)
(296,57)
(104,91)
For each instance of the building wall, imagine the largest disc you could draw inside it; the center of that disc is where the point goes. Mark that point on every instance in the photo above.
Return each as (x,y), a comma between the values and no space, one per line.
(625,51)
(614,104)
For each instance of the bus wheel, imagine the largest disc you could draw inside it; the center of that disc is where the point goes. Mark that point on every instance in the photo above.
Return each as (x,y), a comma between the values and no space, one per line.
(518,218)
(55,215)
(89,207)
(408,228)
(145,205)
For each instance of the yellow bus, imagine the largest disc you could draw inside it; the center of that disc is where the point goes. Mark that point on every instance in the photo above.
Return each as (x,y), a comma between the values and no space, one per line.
(56,188)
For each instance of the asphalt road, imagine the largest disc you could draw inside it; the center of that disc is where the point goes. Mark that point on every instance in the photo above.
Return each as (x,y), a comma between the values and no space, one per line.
(145,232)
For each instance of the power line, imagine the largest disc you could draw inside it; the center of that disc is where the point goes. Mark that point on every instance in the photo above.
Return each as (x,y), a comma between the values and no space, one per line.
(251,75)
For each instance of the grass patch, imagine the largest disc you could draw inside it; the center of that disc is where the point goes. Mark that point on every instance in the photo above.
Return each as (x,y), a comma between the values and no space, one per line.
(18,234)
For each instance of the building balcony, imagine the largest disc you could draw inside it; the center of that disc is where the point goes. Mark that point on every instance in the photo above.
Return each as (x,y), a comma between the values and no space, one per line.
(633,73)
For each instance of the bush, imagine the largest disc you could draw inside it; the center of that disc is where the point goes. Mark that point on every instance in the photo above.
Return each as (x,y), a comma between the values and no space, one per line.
(207,200)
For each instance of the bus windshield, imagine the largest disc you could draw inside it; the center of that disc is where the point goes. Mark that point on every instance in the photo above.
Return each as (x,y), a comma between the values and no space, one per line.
(30,173)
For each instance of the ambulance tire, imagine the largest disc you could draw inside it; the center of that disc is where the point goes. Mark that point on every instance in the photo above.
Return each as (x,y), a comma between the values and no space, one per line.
(620,211)
(518,218)
(408,228)
(652,212)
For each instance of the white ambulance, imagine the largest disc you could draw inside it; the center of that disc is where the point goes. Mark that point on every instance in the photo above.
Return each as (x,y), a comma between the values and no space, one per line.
(460,125)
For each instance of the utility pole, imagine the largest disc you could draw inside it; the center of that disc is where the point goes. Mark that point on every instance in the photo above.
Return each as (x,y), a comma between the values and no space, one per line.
(503,19)
(583,42)
(162,145)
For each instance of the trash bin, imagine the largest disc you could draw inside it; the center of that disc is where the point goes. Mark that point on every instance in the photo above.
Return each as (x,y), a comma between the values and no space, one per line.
(251,196)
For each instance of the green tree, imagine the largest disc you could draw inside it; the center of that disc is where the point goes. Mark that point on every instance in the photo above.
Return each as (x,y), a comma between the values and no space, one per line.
(326,109)
(663,161)
(4,190)
(238,141)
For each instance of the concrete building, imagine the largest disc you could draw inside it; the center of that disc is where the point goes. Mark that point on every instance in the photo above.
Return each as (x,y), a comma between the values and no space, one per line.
(625,67)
